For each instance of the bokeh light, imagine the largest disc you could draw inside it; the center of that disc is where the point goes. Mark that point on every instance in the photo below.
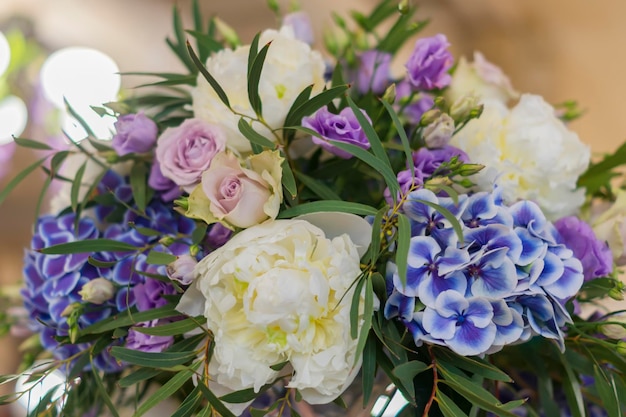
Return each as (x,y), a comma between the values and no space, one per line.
(13,118)
(5,54)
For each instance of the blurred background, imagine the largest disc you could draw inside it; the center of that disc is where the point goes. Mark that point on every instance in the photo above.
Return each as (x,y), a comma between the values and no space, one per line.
(561,49)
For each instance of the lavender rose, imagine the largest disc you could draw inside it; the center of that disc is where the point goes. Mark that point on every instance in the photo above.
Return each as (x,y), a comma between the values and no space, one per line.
(373,72)
(136,133)
(186,151)
(342,127)
(595,255)
(428,65)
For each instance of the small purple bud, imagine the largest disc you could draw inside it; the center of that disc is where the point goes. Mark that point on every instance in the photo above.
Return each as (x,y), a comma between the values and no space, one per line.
(136,133)
(181,270)
(157,181)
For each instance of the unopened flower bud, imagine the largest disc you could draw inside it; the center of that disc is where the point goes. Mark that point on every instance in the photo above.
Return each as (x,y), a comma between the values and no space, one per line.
(166,240)
(97,291)
(273,5)
(469,169)
(616,294)
(390,94)
(227,32)
(404,6)
(181,270)
(439,102)
(621,348)
(182,202)
(615,330)
(438,133)
(193,250)
(70,309)
(429,117)
(462,107)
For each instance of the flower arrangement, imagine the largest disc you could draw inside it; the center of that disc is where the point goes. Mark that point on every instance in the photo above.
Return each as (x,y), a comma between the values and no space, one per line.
(278,226)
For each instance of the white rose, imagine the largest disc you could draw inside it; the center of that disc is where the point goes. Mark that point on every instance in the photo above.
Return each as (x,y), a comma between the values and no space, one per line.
(289,67)
(610,226)
(275,293)
(529,153)
(482,78)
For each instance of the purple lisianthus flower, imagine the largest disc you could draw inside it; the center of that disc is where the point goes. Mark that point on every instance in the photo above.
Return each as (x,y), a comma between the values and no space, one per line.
(428,65)
(300,23)
(168,189)
(186,151)
(419,104)
(428,161)
(145,342)
(595,255)
(149,295)
(342,127)
(373,71)
(136,133)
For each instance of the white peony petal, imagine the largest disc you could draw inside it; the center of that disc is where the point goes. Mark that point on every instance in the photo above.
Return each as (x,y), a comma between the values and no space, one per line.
(335,224)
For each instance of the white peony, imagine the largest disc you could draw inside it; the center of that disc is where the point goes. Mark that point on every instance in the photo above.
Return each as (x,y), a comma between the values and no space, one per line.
(281,291)
(290,66)
(528,153)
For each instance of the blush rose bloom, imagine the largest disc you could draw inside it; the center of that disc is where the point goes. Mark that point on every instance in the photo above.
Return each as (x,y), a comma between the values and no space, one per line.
(186,151)
(239,196)
(528,153)
(289,67)
(280,291)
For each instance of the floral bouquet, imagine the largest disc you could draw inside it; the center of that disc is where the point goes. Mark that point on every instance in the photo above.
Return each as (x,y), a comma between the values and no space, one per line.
(278,231)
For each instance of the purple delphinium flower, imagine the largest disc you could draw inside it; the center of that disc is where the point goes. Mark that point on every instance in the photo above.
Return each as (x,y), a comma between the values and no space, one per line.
(373,72)
(167,189)
(343,127)
(595,255)
(428,65)
(136,133)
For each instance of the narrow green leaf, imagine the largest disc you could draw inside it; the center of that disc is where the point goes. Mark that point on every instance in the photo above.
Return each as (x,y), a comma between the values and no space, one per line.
(174,328)
(254,77)
(218,90)
(244,395)
(370,133)
(252,54)
(206,44)
(354,307)
(81,121)
(32,144)
(473,364)
(606,388)
(160,258)
(368,368)
(368,311)
(138,182)
(88,245)
(319,188)
(190,404)
(456,225)
(404,242)
(294,118)
(253,136)
(127,318)
(152,359)
(302,98)
(146,231)
(76,185)
(374,249)
(199,233)
(103,394)
(328,205)
(571,386)
(138,376)
(214,401)
(179,46)
(98,145)
(18,178)
(408,153)
(167,390)
(447,406)
(409,370)
(288,180)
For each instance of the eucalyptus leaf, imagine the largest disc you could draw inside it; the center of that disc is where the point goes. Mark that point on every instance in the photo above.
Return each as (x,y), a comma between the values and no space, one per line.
(152,359)
(167,390)
(448,407)
(253,136)
(87,246)
(254,77)
(32,144)
(173,329)
(368,310)
(327,205)
(77,183)
(160,258)
(403,245)
(319,188)
(18,178)
(207,76)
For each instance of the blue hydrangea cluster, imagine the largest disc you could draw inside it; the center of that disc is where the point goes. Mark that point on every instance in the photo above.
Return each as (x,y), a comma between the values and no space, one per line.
(53,282)
(506,281)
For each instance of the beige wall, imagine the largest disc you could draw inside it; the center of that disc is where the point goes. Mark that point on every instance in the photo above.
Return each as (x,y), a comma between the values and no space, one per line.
(562,49)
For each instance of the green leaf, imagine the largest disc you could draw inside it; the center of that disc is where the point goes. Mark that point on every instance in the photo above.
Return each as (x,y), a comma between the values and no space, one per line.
(205,73)
(179,46)
(152,359)
(81,121)
(98,145)
(18,178)
(374,249)
(571,386)
(244,395)
(76,184)
(472,364)
(605,385)
(138,177)
(32,144)
(167,390)
(214,401)
(368,312)
(137,376)
(253,136)
(354,308)
(328,205)
(370,133)
(146,231)
(368,368)
(199,233)
(254,77)
(288,180)
(190,404)
(128,318)
(253,52)
(88,245)
(447,406)
(294,116)
(302,98)
(102,392)
(173,329)
(409,370)
(402,133)
(456,225)
(404,242)
(319,188)
(160,258)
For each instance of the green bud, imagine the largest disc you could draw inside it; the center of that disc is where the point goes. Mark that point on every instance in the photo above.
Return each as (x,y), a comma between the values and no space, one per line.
(182,202)
(621,348)
(71,309)
(429,117)
(340,21)
(469,169)
(404,6)
(330,41)
(440,102)
(390,94)
(111,157)
(476,112)
(616,294)
(360,40)
(166,240)
(227,32)
(273,6)
(462,107)
(194,249)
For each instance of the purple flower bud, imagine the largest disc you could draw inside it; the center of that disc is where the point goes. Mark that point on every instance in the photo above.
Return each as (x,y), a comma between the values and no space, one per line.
(414,110)
(300,23)
(428,65)
(342,127)
(427,161)
(136,133)
(157,181)
(594,255)
(373,72)
(181,269)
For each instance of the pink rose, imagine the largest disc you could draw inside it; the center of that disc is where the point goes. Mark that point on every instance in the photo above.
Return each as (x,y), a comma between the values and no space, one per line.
(186,151)
(237,194)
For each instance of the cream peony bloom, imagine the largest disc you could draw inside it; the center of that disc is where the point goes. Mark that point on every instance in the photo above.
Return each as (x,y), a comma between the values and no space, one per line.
(528,153)
(290,66)
(280,291)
